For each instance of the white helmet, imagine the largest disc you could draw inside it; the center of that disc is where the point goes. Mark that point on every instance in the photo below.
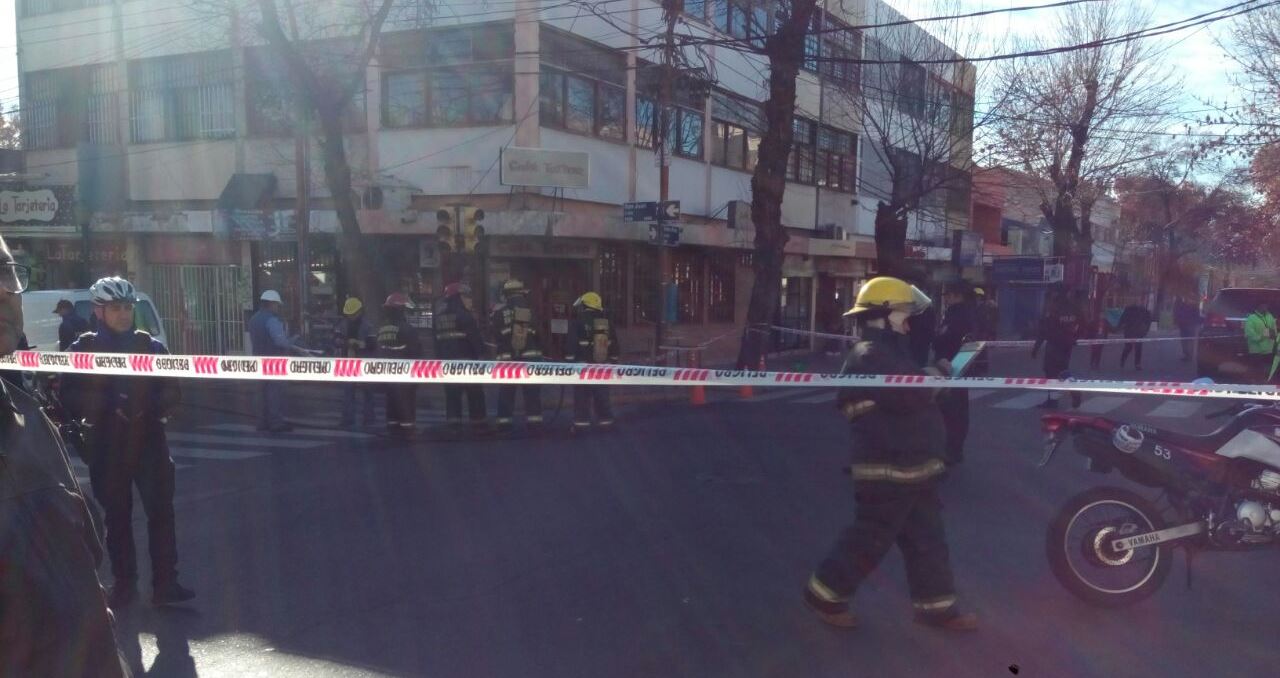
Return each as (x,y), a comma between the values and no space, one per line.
(271,295)
(107,290)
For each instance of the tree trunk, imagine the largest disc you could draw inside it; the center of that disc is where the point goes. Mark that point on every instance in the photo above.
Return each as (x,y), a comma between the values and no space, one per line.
(891,239)
(367,284)
(785,50)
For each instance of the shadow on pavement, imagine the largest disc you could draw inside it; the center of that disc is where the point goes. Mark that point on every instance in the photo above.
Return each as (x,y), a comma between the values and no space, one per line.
(172,628)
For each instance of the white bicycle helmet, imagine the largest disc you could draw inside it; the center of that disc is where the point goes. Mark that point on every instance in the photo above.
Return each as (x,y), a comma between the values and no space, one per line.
(107,290)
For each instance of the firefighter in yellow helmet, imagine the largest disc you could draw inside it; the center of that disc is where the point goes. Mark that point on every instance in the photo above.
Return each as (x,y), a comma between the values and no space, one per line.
(356,337)
(592,339)
(898,446)
(517,340)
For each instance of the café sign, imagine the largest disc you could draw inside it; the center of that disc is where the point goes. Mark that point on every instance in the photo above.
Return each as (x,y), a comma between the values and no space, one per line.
(543,167)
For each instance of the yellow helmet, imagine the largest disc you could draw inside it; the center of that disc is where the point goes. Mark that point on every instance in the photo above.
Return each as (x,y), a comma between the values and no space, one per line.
(351,306)
(591,300)
(889,294)
(513,286)
(979,291)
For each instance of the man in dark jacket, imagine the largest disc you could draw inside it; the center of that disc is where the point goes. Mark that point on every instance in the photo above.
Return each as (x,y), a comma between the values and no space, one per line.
(1135,322)
(126,446)
(592,339)
(898,442)
(53,614)
(398,340)
(1058,332)
(516,337)
(959,324)
(1187,317)
(72,325)
(355,338)
(457,337)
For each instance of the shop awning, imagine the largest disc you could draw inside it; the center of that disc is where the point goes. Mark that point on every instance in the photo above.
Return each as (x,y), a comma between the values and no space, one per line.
(248,192)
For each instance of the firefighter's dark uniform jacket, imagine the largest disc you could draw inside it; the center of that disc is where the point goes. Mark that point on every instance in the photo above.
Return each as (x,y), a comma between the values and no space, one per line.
(398,339)
(517,338)
(593,338)
(897,434)
(456,333)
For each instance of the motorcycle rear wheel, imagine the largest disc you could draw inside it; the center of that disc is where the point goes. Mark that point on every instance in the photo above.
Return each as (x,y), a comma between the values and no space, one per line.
(1078,548)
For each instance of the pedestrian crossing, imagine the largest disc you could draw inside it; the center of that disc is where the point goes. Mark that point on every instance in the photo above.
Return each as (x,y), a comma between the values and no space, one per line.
(1002,399)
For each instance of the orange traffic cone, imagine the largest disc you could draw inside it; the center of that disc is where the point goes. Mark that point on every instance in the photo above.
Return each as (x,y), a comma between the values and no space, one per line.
(746,390)
(698,396)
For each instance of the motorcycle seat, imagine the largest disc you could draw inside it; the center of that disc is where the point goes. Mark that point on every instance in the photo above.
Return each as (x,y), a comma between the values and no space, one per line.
(1202,442)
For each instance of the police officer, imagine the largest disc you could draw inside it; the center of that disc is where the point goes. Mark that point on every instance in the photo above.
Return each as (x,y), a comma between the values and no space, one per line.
(53,615)
(457,337)
(397,339)
(592,339)
(125,419)
(517,340)
(72,325)
(1059,328)
(898,448)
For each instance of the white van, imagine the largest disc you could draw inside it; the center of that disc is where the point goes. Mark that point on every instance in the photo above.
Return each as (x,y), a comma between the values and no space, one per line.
(41,324)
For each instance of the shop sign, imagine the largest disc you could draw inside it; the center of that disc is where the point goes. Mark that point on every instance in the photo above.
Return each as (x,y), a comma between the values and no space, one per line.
(928,252)
(100,251)
(257,225)
(966,248)
(52,206)
(552,248)
(1017,269)
(542,167)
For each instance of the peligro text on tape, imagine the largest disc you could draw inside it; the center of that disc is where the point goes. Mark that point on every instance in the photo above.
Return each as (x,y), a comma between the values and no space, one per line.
(376,370)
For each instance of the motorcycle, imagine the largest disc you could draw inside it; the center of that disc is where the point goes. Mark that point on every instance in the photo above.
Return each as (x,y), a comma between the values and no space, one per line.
(1112,547)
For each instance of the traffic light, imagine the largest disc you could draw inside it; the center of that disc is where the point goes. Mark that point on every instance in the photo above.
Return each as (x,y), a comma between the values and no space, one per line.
(472,228)
(445,229)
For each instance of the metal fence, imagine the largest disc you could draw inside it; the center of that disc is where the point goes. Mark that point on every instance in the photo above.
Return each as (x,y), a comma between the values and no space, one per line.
(200,307)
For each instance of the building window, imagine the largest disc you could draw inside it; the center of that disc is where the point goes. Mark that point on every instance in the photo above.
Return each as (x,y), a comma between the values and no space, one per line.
(696,9)
(800,163)
(613,278)
(841,47)
(735,139)
(836,160)
(68,106)
(270,96)
(813,43)
(686,273)
(449,78)
(582,87)
(182,98)
(684,129)
(38,7)
(721,287)
(743,19)
(912,88)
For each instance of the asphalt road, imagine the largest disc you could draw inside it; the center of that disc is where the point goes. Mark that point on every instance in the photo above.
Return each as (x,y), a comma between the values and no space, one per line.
(677,546)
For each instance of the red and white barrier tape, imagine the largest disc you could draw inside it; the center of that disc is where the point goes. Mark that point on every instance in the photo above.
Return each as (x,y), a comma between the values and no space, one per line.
(375,370)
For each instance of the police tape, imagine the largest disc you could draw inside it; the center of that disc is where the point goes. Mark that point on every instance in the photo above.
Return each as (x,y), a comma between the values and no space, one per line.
(378,370)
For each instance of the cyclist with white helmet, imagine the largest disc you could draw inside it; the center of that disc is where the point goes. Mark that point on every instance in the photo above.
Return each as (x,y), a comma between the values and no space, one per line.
(125,444)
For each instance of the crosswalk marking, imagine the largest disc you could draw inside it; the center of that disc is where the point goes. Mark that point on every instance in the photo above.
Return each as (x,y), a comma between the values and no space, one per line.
(975,393)
(244,440)
(312,432)
(827,397)
(1176,409)
(204,453)
(1023,401)
(1102,404)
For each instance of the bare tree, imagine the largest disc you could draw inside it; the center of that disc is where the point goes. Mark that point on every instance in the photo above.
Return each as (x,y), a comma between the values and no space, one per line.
(10,131)
(1075,120)
(918,123)
(1255,47)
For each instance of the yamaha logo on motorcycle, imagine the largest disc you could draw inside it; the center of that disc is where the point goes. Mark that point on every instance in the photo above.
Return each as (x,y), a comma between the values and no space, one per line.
(1112,547)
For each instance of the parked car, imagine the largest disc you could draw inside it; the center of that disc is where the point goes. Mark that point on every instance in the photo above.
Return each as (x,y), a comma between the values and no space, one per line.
(1221,349)
(41,325)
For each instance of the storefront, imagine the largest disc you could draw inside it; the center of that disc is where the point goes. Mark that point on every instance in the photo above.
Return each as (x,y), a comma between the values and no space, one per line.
(556,272)
(39,225)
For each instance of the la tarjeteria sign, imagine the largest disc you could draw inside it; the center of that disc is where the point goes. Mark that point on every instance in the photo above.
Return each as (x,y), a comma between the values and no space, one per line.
(54,206)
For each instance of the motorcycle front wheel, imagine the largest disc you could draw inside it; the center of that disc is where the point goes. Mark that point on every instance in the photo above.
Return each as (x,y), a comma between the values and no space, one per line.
(1080,554)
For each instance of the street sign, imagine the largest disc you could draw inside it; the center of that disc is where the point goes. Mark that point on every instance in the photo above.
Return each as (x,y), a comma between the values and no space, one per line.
(670,234)
(639,211)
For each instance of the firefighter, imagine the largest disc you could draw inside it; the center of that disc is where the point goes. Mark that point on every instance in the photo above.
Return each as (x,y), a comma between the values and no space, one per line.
(898,447)
(457,337)
(592,339)
(397,339)
(517,340)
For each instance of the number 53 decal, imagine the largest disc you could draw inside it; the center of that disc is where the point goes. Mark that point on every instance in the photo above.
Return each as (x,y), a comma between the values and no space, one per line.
(1163,452)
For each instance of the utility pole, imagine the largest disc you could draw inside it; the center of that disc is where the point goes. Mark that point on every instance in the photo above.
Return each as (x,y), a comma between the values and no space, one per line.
(670,14)
(302,194)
